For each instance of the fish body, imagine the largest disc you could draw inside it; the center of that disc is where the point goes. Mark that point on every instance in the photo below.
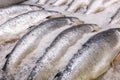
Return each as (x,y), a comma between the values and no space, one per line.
(13,11)
(77,4)
(30,40)
(18,25)
(5,3)
(57,49)
(94,58)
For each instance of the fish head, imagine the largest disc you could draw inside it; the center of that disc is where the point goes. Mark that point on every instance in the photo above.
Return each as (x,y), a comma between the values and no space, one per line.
(74,21)
(94,27)
(54,14)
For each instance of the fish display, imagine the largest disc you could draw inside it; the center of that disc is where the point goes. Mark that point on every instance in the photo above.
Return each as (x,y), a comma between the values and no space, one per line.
(31,39)
(57,49)
(94,58)
(59,39)
(16,26)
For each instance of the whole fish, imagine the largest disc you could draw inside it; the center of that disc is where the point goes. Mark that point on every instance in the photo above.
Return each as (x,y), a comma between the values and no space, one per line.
(16,26)
(31,40)
(60,2)
(57,49)
(77,4)
(13,11)
(5,3)
(94,58)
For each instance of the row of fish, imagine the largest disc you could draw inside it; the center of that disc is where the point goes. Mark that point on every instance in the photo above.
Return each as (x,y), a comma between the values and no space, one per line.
(30,24)
(16,21)
(90,6)
(89,62)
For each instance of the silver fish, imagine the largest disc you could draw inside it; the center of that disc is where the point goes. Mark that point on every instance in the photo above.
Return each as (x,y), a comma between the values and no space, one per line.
(31,40)
(77,4)
(57,49)
(94,58)
(13,11)
(16,26)
(4,3)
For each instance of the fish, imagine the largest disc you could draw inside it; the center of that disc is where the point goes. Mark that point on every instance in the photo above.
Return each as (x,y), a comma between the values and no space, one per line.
(77,4)
(94,58)
(18,25)
(46,63)
(60,2)
(13,11)
(116,17)
(6,3)
(29,42)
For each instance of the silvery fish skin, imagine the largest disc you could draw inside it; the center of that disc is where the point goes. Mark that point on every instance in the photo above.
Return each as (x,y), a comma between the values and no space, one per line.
(13,11)
(77,4)
(57,49)
(116,17)
(60,2)
(94,58)
(43,1)
(5,3)
(31,40)
(16,26)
